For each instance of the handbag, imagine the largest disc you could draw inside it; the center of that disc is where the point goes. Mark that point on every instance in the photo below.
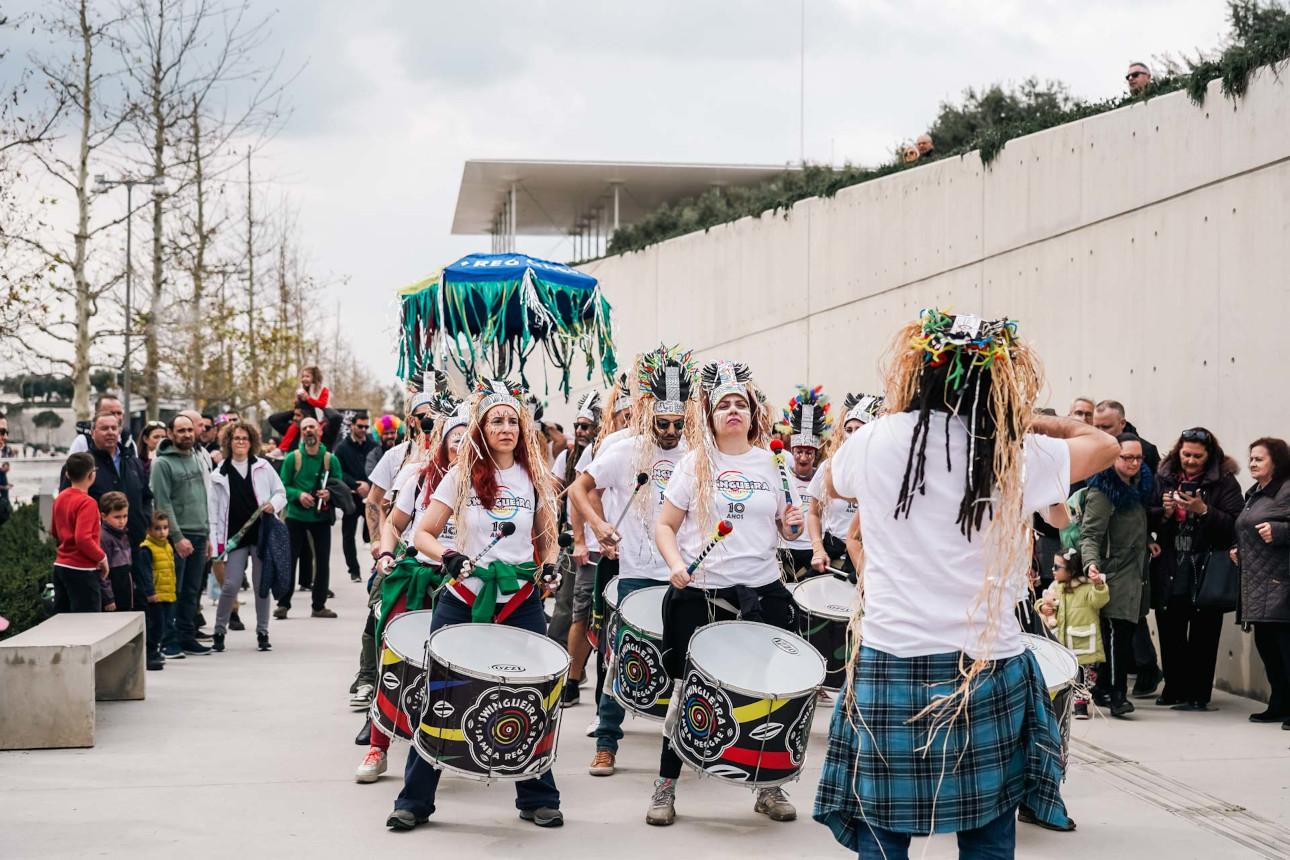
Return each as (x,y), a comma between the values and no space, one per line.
(1220,584)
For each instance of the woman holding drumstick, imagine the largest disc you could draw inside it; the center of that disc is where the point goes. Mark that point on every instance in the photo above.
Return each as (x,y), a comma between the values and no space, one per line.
(727,477)
(500,479)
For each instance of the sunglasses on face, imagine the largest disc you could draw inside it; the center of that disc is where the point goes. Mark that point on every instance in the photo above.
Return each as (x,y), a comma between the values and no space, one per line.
(3,432)
(583,427)
(362,428)
(662,424)
(1134,75)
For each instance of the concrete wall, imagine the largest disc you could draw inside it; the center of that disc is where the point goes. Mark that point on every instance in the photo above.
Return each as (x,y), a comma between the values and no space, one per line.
(1144,251)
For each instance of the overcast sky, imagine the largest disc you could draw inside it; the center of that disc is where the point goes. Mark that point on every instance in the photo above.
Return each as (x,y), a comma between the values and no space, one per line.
(395,96)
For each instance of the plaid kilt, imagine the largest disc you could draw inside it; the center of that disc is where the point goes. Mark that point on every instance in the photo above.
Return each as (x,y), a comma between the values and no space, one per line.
(1003,750)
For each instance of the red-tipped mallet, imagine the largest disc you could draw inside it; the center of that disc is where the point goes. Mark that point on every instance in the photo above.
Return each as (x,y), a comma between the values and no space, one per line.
(724,528)
(777,450)
(641,480)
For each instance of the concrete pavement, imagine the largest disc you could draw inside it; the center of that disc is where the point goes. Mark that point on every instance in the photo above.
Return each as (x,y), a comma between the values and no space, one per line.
(251,755)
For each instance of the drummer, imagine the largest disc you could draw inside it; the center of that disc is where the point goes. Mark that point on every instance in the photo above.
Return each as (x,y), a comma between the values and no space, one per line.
(829,517)
(500,477)
(949,727)
(665,408)
(729,476)
(807,418)
(406,580)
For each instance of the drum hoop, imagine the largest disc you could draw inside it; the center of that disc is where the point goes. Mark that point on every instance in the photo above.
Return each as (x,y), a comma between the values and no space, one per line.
(498,679)
(829,616)
(407,658)
(1062,649)
(654,634)
(475,775)
(762,694)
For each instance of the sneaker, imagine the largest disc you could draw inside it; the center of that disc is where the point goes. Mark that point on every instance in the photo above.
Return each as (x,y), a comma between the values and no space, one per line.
(402,819)
(1144,687)
(774,803)
(354,577)
(602,764)
(194,647)
(374,764)
(570,696)
(593,726)
(323,613)
(1080,710)
(155,662)
(543,816)
(235,623)
(218,643)
(172,652)
(262,641)
(281,612)
(1122,709)
(361,699)
(662,806)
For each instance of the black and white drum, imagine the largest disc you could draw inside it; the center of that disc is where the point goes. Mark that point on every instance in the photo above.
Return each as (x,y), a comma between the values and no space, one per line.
(492,706)
(604,629)
(747,699)
(640,682)
(1060,669)
(401,688)
(824,606)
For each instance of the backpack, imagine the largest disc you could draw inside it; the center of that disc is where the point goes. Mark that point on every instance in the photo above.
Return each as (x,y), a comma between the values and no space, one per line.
(1070,534)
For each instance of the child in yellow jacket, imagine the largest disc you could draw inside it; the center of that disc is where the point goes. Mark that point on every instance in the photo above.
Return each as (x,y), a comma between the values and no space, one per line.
(156,584)
(1071,607)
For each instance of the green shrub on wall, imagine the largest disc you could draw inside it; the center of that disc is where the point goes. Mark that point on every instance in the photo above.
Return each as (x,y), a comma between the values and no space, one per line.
(26,564)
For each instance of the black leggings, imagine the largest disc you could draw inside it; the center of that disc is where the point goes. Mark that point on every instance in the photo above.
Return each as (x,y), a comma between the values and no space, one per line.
(686,610)
(1272,639)
(1117,640)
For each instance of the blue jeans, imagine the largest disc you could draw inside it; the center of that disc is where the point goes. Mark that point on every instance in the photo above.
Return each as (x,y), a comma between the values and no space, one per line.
(189,573)
(610,730)
(420,779)
(996,840)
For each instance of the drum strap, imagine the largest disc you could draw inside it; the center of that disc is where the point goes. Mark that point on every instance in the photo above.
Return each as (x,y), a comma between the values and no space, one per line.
(508,607)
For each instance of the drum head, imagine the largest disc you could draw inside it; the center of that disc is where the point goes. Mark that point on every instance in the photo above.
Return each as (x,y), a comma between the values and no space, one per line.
(1057,663)
(406,635)
(643,610)
(826,596)
(498,651)
(610,593)
(757,658)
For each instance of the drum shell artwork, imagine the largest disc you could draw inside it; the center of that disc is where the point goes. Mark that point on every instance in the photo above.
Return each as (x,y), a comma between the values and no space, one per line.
(1060,668)
(466,710)
(744,736)
(400,682)
(602,624)
(824,605)
(639,681)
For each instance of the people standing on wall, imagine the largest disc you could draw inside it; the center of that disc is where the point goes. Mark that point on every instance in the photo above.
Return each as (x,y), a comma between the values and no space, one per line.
(1199,500)
(352,451)
(1138,78)
(1263,552)
(926,148)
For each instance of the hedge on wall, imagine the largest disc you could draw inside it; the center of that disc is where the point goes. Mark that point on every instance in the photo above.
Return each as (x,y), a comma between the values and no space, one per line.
(1260,37)
(26,564)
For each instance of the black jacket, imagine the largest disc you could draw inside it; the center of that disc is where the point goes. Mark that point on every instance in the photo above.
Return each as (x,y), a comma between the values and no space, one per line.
(1150,453)
(1265,567)
(132,479)
(1215,531)
(353,458)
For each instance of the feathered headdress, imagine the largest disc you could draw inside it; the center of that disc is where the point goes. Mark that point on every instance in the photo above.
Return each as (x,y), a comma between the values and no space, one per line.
(589,407)
(443,402)
(498,392)
(667,376)
(720,378)
(963,340)
(622,392)
(861,407)
(808,416)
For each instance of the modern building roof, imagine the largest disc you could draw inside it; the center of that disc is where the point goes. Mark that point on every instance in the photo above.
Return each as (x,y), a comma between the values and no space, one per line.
(559,198)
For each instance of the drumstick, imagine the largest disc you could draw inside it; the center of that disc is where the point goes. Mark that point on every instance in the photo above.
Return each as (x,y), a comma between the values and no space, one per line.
(565,540)
(777,449)
(641,480)
(724,528)
(505,530)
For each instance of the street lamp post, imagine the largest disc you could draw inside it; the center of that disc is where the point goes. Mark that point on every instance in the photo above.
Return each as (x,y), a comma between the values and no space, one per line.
(102,184)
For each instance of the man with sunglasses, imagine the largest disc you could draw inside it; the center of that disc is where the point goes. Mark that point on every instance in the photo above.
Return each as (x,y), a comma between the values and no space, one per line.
(352,452)
(1138,78)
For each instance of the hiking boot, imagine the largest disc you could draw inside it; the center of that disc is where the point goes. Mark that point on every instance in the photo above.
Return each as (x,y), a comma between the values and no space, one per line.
(1144,686)
(281,612)
(602,764)
(262,641)
(402,819)
(570,696)
(774,803)
(323,613)
(235,623)
(361,699)
(543,816)
(374,764)
(1080,710)
(1122,708)
(662,806)
(218,643)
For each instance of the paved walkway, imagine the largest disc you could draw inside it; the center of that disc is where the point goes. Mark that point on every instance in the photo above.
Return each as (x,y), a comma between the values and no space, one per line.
(251,755)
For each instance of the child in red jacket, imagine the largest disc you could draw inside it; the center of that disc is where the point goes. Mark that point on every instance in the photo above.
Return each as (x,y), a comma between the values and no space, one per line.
(310,393)
(80,563)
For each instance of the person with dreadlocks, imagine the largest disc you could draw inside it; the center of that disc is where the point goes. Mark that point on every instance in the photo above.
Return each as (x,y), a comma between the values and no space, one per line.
(666,407)
(728,475)
(500,477)
(807,417)
(829,516)
(406,579)
(945,724)
(573,601)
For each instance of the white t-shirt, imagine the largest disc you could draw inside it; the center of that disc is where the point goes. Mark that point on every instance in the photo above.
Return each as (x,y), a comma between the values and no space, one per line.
(801,489)
(387,469)
(749,493)
(922,577)
(558,469)
(515,504)
(412,500)
(837,513)
(615,474)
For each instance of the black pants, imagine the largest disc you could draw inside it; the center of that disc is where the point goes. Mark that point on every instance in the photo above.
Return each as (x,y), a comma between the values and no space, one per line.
(606,569)
(1117,639)
(311,542)
(348,527)
(76,590)
(1272,639)
(1144,650)
(797,563)
(1188,649)
(685,611)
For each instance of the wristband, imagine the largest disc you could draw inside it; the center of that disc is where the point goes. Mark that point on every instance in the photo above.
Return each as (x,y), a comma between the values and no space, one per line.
(386,554)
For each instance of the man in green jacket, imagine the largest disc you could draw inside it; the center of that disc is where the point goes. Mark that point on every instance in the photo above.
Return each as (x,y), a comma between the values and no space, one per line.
(178,484)
(306,473)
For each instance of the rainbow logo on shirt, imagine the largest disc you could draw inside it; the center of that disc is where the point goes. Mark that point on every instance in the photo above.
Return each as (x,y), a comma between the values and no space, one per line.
(735,486)
(661,473)
(507,505)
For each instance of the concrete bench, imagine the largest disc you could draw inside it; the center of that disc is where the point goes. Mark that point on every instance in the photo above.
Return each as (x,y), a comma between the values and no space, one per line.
(52,674)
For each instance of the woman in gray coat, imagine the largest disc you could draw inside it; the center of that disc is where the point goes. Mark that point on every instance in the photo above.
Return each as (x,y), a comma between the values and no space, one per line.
(1263,553)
